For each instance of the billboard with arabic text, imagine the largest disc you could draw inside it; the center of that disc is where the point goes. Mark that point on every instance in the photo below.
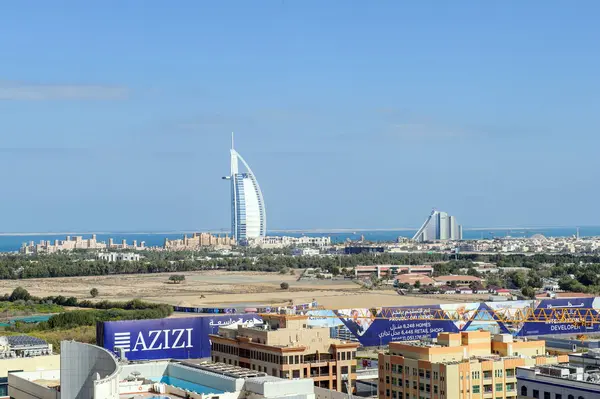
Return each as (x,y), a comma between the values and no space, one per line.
(172,338)
(379,326)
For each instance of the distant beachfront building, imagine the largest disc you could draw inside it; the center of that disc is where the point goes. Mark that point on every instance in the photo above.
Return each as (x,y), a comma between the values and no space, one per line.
(439,226)
(248,212)
(198,241)
(285,241)
(76,242)
(118,257)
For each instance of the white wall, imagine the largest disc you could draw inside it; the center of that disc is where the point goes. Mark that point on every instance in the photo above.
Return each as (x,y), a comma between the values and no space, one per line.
(277,388)
(322,393)
(21,385)
(148,370)
(80,366)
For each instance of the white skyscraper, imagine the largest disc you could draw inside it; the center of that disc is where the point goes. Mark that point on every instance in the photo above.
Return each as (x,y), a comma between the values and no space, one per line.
(439,226)
(248,213)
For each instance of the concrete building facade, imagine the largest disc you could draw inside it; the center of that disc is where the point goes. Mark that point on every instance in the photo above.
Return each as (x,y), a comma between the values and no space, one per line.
(285,347)
(466,365)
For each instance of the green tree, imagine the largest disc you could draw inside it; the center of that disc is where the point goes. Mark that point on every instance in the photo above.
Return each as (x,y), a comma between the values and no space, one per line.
(284,286)
(529,292)
(475,285)
(177,278)
(534,280)
(417,284)
(94,292)
(19,293)
(518,279)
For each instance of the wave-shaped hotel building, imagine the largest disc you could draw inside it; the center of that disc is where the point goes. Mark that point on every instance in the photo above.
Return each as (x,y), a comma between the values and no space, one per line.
(248,212)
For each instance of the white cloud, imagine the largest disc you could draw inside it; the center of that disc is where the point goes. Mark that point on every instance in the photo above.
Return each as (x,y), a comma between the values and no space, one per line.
(40,92)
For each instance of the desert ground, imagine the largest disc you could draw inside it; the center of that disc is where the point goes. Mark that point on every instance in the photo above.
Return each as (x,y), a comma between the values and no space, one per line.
(221,288)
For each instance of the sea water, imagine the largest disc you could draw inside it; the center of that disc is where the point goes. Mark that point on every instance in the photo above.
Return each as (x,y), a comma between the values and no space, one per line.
(11,243)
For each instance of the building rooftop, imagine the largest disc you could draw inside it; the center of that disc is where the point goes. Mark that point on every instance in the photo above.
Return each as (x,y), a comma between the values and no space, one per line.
(226,369)
(565,371)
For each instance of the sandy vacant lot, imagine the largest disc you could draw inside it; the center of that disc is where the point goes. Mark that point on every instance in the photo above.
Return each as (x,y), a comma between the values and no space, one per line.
(224,288)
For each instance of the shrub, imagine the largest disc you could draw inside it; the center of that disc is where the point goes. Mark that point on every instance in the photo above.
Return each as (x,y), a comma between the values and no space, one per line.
(94,292)
(177,278)
(19,293)
(284,286)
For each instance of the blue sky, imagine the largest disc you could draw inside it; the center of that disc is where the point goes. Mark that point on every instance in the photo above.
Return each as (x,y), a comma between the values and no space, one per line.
(116,115)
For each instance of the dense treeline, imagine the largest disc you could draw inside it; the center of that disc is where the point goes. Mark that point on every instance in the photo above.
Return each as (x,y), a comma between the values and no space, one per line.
(80,263)
(103,311)
(584,268)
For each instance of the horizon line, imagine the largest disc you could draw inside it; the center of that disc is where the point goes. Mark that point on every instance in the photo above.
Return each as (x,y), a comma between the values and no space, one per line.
(316,230)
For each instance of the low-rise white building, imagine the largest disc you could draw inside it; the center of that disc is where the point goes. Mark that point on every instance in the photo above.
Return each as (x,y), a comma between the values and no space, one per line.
(118,256)
(286,241)
(305,252)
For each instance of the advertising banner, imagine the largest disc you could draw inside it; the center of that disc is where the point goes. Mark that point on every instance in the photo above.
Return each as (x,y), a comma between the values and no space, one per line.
(323,318)
(379,326)
(402,324)
(172,338)
(550,314)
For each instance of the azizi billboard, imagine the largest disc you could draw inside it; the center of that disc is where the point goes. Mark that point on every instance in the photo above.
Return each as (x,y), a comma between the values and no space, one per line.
(174,338)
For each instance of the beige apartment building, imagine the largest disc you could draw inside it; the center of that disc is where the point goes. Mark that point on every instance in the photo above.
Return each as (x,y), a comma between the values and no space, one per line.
(284,346)
(466,365)
(197,241)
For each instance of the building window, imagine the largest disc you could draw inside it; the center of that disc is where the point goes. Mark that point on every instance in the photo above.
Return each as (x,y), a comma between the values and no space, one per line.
(498,373)
(557,396)
(499,388)
(546,395)
(435,389)
(400,369)
(476,375)
(571,397)
(524,391)
(387,379)
(476,388)
(394,368)
(296,374)
(387,392)
(536,394)
(435,375)
(580,397)
(394,395)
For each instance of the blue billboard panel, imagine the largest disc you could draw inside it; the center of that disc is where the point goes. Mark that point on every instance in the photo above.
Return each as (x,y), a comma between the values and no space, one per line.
(406,323)
(549,317)
(174,338)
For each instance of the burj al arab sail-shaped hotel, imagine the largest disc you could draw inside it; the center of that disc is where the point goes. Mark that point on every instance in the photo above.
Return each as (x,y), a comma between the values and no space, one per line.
(248,213)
